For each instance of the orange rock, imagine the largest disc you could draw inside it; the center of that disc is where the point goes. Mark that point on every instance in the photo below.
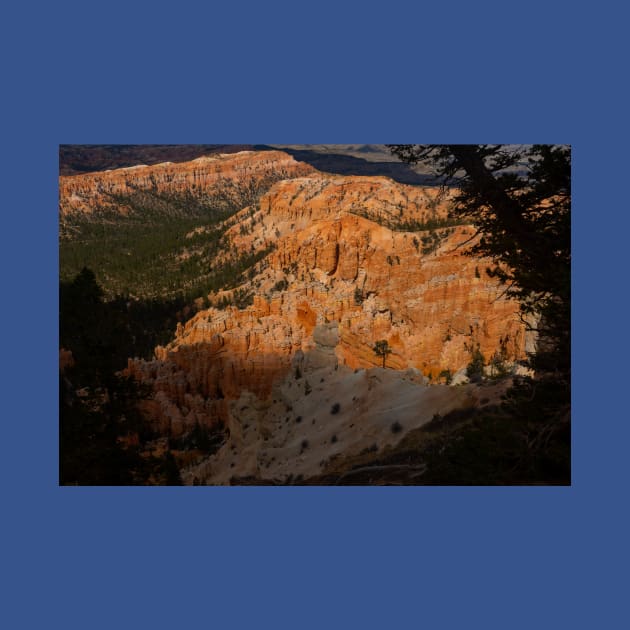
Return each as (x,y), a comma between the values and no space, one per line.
(92,192)
(432,307)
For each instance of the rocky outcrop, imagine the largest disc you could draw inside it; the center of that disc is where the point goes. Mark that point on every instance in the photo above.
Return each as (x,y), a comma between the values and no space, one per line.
(97,192)
(338,280)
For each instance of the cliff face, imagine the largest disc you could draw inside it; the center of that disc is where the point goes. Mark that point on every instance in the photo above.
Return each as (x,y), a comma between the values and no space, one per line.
(332,267)
(95,192)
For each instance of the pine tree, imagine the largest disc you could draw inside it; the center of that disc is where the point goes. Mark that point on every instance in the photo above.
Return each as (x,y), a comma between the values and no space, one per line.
(381,348)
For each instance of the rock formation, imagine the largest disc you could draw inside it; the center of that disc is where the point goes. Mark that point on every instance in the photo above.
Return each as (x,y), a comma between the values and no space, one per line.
(93,193)
(339,279)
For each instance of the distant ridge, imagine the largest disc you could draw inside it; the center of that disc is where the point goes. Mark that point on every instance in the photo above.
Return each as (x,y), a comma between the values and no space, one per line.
(75,159)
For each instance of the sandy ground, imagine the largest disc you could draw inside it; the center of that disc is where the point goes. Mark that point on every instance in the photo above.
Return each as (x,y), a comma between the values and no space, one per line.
(295,434)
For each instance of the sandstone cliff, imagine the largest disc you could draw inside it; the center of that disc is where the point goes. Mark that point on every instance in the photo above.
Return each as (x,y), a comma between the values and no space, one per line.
(336,261)
(230,174)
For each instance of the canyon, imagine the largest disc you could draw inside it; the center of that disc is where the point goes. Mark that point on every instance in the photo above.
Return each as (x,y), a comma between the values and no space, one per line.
(348,261)
(225,175)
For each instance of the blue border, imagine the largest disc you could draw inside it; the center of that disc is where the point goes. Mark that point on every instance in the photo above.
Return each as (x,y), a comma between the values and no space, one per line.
(317,558)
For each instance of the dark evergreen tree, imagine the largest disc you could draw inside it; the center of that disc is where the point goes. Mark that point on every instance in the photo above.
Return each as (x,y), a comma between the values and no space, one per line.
(381,349)
(519,199)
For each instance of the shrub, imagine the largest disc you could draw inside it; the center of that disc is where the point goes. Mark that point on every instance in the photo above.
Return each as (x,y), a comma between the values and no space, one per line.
(281,285)
(333,439)
(447,376)
(243,298)
(335,409)
(499,365)
(298,419)
(370,449)
(396,427)
(474,370)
